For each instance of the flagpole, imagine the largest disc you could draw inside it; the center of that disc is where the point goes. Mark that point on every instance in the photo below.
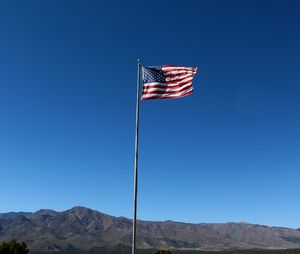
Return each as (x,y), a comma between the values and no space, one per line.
(137,114)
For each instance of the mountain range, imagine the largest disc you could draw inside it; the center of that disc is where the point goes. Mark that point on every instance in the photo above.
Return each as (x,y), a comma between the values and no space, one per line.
(82,229)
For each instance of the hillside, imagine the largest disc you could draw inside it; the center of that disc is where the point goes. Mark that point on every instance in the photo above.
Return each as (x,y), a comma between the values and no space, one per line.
(83,229)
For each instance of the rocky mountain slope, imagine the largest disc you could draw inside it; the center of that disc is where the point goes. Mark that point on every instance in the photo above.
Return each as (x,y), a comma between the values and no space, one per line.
(82,228)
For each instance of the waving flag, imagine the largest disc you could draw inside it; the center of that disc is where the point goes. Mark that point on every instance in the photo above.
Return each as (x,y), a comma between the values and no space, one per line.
(167,81)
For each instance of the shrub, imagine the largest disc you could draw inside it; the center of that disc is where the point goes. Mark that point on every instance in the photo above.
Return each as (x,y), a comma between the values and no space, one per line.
(13,247)
(163,252)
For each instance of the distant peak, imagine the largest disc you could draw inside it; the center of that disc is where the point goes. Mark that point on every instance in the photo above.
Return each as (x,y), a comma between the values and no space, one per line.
(243,223)
(169,221)
(80,208)
(45,212)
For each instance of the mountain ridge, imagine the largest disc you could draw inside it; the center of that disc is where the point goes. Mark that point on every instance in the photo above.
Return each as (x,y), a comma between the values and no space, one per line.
(83,228)
(6,215)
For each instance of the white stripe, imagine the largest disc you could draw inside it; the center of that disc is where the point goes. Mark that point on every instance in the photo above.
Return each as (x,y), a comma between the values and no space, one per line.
(148,90)
(174,83)
(179,83)
(168,68)
(155,83)
(187,77)
(174,72)
(166,94)
(179,77)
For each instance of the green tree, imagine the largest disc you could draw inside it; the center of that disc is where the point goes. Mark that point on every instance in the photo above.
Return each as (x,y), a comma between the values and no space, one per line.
(13,247)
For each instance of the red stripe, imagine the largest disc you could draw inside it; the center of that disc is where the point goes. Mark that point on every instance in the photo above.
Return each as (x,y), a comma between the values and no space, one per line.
(179,74)
(178,67)
(166,97)
(145,92)
(179,78)
(182,83)
(166,87)
(169,84)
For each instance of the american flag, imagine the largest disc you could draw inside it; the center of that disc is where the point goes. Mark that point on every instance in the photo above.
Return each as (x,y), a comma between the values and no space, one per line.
(167,81)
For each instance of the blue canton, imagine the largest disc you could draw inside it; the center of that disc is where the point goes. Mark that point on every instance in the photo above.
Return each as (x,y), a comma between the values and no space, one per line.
(153,74)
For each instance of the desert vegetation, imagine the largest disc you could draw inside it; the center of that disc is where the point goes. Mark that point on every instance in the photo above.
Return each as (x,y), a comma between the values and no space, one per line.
(13,247)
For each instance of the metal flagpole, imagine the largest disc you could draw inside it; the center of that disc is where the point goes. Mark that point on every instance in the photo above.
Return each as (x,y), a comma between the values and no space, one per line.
(137,113)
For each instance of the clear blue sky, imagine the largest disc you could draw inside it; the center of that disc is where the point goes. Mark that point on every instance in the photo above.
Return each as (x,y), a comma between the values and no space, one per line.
(228,152)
